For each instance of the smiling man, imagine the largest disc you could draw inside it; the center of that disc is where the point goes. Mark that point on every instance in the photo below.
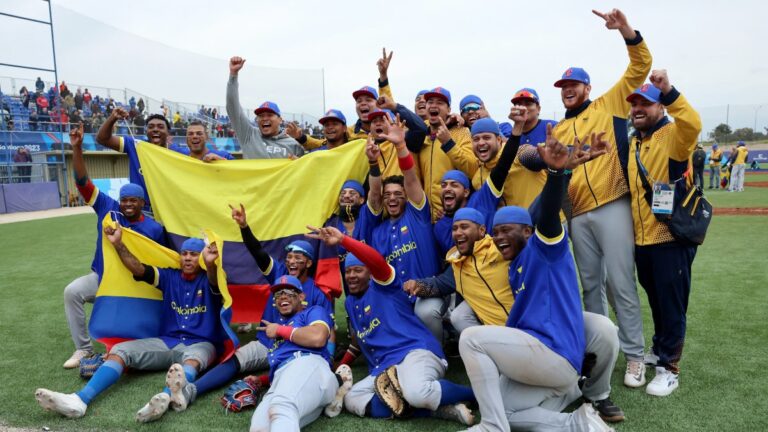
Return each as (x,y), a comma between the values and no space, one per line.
(267,140)
(128,213)
(197,138)
(598,191)
(335,131)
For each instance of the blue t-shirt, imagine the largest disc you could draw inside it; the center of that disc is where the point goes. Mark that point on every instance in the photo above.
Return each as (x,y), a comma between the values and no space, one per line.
(190,309)
(386,326)
(185,151)
(538,134)
(547,301)
(484,200)
(281,351)
(128,146)
(103,204)
(408,243)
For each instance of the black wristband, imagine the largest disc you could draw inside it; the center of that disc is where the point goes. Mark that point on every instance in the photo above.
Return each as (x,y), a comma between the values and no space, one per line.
(558,173)
(375,171)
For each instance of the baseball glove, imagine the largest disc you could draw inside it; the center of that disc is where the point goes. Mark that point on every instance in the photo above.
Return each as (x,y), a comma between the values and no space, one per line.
(241,394)
(387,387)
(89,365)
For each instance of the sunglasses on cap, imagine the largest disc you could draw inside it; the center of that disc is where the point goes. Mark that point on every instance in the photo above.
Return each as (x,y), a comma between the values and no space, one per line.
(470,107)
(287,292)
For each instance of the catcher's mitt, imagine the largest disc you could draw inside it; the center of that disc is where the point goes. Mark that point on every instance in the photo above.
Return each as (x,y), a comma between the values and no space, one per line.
(89,365)
(387,387)
(241,394)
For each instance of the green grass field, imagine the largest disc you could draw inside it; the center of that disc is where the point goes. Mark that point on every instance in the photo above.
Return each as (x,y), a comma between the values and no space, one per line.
(722,382)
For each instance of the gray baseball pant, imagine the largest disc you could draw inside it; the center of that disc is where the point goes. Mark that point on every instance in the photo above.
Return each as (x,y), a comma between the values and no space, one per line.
(603,246)
(252,356)
(298,393)
(431,311)
(76,294)
(152,354)
(464,317)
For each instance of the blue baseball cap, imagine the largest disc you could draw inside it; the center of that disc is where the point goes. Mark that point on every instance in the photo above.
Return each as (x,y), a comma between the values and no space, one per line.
(302,247)
(367,90)
(352,261)
(646,91)
(470,99)
(573,74)
(268,107)
(381,113)
(422,93)
(287,281)
(512,215)
(439,92)
(468,214)
(485,125)
(714,146)
(458,176)
(354,184)
(526,93)
(333,114)
(193,245)
(132,190)
(741,143)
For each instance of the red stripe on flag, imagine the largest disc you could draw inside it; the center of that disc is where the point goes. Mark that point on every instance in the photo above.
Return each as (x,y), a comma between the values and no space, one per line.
(248,302)
(328,276)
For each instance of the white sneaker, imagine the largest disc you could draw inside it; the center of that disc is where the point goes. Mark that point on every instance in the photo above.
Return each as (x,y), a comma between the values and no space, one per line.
(74,360)
(334,408)
(651,359)
(664,383)
(154,409)
(69,405)
(589,420)
(458,413)
(634,377)
(176,380)
(244,328)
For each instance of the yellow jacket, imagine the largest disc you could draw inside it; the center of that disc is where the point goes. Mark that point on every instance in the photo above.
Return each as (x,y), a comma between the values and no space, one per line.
(715,158)
(483,280)
(741,155)
(667,148)
(434,163)
(602,180)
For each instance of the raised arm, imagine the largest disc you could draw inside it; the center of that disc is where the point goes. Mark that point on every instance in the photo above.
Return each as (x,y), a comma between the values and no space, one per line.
(687,121)
(383,65)
(395,133)
(374,175)
(210,254)
(498,176)
(380,270)
(417,129)
(105,136)
(78,163)
(115,236)
(263,259)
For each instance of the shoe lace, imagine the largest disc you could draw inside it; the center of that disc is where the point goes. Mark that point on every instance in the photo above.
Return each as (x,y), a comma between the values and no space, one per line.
(634,368)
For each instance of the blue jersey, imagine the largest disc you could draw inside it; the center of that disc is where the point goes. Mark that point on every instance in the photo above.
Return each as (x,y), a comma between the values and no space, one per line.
(190,309)
(365,223)
(408,243)
(313,296)
(538,134)
(547,301)
(128,146)
(282,351)
(185,151)
(485,200)
(386,327)
(103,204)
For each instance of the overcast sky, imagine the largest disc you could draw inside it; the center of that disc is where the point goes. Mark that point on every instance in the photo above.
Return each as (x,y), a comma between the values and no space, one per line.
(715,53)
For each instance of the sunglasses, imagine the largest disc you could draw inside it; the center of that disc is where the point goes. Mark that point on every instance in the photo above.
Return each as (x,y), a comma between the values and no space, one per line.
(286,292)
(470,108)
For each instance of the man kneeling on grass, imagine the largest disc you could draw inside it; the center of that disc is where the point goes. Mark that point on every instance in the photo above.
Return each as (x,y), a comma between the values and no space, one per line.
(188,335)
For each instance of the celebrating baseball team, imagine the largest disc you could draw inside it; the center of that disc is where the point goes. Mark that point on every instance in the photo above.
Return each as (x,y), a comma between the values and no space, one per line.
(457,244)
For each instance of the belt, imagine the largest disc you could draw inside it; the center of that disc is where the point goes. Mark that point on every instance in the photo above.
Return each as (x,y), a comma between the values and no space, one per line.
(293,356)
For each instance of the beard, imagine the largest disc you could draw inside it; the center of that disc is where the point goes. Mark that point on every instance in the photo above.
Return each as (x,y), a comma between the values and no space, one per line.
(349,212)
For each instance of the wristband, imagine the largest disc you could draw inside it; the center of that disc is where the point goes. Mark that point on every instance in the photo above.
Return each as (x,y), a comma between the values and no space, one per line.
(374,170)
(285,332)
(406,162)
(556,172)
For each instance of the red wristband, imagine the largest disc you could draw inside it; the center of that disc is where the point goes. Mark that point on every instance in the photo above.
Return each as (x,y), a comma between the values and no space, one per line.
(406,162)
(285,332)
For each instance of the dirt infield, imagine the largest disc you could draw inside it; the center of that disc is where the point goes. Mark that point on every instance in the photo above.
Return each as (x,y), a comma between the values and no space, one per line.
(741,211)
(757,184)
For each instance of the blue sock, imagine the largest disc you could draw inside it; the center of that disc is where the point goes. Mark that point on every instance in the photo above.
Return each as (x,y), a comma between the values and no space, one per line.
(218,376)
(453,393)
(379,409)
(331,347)
(105,376)
(190,372)
(421,413)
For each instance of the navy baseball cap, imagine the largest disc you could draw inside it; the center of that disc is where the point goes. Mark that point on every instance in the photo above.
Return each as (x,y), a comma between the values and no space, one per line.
(333,114)
(470,99)
(367,90)
(381,113)
(526,93)
(302,247)
(485,125)
(646,91)
(421,93)
(353,261)
(268,107)
(469,214)
(354,185)
(573,74)
(132,190)
(512,215)
(287,281)
(458,176)
(439,92)
(192,245)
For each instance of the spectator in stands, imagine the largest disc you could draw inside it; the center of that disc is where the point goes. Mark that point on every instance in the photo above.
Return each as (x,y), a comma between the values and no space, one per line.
(42,104)
(132,103)
(39,85)
(22,156)
(97,119)
(64,90)
(76,118)
(165,110)
(87,96)
(176,119)
(140,106)
(79,99)
(215,114)
(69,103)
(139,122)
(33,120)
(51,95)
(111,106)
(24,96)
(95,106)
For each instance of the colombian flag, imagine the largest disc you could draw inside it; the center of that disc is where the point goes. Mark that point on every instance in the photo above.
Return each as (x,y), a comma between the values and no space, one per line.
(281,198)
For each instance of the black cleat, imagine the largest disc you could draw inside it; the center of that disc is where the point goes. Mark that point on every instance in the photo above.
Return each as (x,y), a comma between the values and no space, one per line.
(608,410)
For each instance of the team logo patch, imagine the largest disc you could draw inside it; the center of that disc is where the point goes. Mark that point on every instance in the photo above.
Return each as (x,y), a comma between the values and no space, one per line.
(645,88)
(404,229)
(569,72)
(199,293)
(520,269)
(367,310)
